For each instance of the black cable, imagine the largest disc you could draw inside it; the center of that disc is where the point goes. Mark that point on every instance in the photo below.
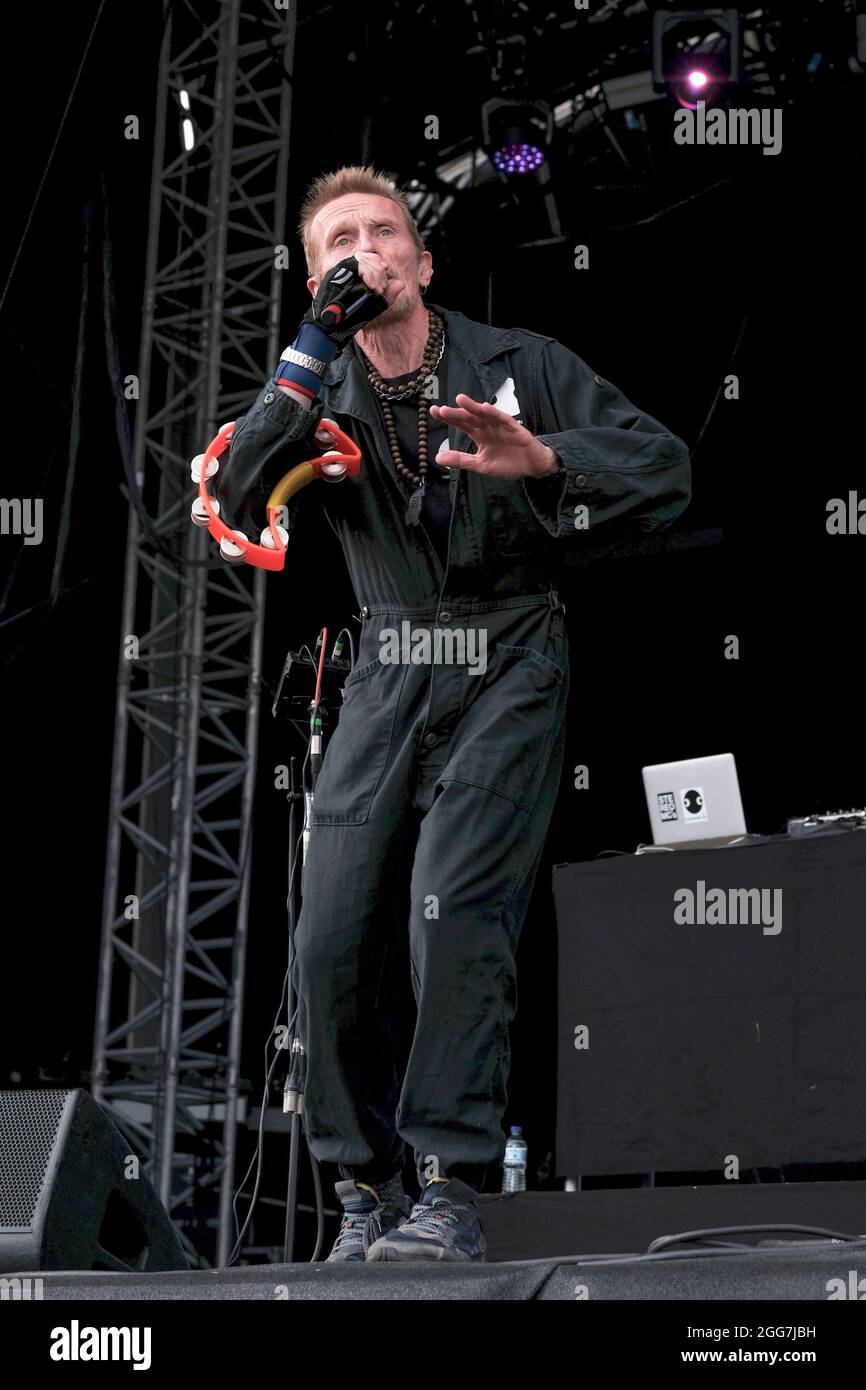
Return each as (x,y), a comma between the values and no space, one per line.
(298,857)
(715,401)
(320,1205)
(132,492)
(723,1252)
(44,604)
(257,1156)
(60,125)
(672,207)
(35,607)
(351,643)
(314,1163)
(75,421)
(269,1070)
(713,1232)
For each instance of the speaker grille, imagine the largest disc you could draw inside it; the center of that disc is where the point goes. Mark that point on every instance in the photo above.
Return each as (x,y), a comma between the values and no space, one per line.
(29,1121)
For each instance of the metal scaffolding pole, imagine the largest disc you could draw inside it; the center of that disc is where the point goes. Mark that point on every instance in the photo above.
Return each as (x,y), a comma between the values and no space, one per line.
(177,880)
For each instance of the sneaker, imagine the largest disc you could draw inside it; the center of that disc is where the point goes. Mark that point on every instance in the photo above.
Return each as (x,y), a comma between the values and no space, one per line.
(368,1212)
(444,1225)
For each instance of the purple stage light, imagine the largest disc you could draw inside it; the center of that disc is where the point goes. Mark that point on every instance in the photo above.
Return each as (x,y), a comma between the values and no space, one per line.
(518,159)
(697,80)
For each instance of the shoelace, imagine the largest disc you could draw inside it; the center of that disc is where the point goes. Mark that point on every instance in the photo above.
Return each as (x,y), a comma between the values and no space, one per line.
(349,1231)
(428,1219)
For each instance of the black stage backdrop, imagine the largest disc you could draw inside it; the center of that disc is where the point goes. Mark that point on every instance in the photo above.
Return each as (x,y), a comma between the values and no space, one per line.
(761,276)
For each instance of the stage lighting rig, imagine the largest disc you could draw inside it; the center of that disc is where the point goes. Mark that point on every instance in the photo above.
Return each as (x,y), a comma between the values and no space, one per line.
(516,135)
(696,54)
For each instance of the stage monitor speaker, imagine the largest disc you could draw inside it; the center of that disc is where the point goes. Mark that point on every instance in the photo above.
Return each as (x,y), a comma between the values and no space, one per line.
(71,1194)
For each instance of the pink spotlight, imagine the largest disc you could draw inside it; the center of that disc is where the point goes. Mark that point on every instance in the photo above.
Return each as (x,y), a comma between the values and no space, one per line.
(697,80)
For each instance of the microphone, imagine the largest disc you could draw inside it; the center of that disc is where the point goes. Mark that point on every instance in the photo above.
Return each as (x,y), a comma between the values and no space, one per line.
(333,314)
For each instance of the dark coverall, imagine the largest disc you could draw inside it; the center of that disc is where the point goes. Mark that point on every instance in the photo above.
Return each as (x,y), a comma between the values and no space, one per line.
(437,786)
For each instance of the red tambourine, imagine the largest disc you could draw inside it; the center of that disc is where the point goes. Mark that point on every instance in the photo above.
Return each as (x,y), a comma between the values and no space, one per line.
(341,461)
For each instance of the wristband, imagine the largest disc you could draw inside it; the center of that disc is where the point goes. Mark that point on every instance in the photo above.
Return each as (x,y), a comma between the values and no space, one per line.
(317,349)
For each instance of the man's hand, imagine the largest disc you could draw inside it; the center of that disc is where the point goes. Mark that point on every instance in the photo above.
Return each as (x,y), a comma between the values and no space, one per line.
(337,299)
(506,449)
(381,281)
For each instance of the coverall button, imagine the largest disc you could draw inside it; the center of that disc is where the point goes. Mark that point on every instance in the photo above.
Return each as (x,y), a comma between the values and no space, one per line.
(444,616)
(269,397)
(365,612)
(580,480)
(599,380)
(431,740)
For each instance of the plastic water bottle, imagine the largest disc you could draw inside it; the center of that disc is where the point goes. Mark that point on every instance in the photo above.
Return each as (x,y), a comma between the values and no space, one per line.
(514,1165)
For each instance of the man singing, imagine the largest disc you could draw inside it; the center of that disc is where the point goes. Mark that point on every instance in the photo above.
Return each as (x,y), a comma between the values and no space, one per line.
(438,784)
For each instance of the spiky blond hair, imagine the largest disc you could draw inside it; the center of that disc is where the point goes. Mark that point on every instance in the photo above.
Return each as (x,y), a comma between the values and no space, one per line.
(352,178)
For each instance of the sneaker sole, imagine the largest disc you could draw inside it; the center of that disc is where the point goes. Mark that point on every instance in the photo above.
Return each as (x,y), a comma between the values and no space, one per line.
(420,1252)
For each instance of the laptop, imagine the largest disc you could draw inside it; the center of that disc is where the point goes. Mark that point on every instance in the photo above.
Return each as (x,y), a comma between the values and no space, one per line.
(695,803)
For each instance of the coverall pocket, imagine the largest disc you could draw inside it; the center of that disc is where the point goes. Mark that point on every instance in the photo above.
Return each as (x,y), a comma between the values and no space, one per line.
(507,736)
(359,673)
(549,668)
(357,753)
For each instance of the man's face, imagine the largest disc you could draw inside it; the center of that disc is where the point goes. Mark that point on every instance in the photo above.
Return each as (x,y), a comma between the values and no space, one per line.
(361,224)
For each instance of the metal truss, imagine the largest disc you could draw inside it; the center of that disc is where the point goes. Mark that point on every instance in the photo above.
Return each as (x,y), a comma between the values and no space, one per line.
(169,1008)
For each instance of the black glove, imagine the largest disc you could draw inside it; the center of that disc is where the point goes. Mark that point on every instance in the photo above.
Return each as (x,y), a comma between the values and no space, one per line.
(344,303)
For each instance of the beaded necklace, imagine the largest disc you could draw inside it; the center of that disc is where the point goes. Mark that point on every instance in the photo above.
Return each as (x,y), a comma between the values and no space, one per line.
(388,392)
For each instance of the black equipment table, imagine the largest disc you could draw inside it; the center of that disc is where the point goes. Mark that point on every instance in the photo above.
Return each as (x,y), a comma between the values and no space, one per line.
(713,1040)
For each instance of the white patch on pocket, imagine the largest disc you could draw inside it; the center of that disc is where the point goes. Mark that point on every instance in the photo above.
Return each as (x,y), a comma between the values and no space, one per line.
(505,398)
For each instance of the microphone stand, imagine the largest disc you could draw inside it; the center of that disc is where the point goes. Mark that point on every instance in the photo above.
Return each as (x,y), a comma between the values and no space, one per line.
(293,1099)
(292,701)
(293,1093)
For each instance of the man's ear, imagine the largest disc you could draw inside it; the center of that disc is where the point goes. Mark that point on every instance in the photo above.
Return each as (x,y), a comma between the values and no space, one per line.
(313,286)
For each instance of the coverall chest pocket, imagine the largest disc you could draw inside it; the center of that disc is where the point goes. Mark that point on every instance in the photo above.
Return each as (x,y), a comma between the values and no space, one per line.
(508,734)
(513,524)
(357,753)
